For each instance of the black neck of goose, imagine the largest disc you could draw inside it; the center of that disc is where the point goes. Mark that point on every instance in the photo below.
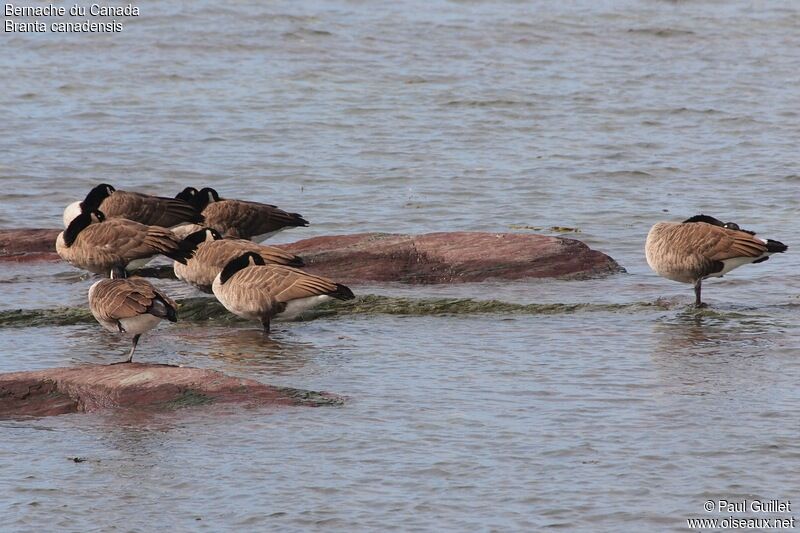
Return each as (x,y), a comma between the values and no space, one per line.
(704,218)
(96,197)
(235,265)
(78,224)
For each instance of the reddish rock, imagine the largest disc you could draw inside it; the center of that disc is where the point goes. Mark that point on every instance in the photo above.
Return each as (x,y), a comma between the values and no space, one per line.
(28,244)
(90,388)
(450,257)
(428,258)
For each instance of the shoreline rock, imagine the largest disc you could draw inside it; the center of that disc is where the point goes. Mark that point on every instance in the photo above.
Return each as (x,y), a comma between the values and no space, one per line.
(448,257)
(91,388)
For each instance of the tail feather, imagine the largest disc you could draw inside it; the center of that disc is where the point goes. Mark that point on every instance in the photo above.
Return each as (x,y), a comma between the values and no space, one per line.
(297,220)
(776,247)
(162,309)
(342,293)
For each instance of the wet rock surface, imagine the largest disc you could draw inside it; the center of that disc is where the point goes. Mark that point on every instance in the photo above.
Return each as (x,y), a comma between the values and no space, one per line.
(92,388)
(28,244)
(450,257)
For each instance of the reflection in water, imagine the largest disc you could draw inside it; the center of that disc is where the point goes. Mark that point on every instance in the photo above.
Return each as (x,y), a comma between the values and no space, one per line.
(703,352)
(246,349)
(240,350)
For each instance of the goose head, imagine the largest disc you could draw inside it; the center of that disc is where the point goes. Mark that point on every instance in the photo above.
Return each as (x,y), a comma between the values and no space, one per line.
(96,197)
(206,196)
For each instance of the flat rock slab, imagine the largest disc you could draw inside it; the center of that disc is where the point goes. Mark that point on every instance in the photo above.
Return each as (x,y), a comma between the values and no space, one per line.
(91,388)
(28,244)
(450,257)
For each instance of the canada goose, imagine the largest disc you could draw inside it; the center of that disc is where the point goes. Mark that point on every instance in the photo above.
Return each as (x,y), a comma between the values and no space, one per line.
(251,289)
(213,253)
(129,306)
(117,242)
(239,218)
(142,208)
(703,247)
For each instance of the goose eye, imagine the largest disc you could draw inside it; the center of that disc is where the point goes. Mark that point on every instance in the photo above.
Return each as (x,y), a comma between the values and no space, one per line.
(731,225)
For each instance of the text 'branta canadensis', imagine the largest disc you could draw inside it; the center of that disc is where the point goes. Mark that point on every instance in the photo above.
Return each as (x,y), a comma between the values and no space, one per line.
(129,306)
(239,218)
(214,252)
(142,208)
(117,243)
(251,289)
(703,247)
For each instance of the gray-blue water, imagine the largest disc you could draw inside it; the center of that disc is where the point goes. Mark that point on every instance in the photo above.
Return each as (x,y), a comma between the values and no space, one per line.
(413,117)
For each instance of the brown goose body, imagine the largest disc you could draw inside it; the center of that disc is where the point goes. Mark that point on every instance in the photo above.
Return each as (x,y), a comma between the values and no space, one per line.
(130,306)
(256,291)
(212,256)
(143,208)
(149,210)
(240,218)
(119,243)
(249,220)
(703,247)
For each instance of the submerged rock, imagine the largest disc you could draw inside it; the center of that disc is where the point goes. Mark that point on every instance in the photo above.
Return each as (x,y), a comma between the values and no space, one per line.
(450,257)
(90,388)
(201,309)
(28,244)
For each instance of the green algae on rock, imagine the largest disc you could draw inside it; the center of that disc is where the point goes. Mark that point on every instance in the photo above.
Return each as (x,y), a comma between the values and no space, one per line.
(201,309)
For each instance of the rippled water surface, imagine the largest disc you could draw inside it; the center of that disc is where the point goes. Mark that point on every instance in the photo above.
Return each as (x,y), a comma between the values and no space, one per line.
(413,117)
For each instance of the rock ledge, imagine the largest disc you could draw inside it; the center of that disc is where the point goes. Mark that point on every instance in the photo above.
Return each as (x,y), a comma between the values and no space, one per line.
(91,388)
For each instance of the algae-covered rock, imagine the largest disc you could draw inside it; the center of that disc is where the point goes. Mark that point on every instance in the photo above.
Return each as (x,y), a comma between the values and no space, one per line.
(203,308)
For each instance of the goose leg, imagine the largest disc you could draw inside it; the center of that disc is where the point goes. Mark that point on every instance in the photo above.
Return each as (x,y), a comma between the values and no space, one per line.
(135,342)
(265,323)
(697,302)
(130,355)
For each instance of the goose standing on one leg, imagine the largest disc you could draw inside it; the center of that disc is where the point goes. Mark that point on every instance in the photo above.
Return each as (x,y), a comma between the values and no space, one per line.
(251,289)
(239,218)
(214,252)
(703,247)
(143,208)
(117,242)
(129,306)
